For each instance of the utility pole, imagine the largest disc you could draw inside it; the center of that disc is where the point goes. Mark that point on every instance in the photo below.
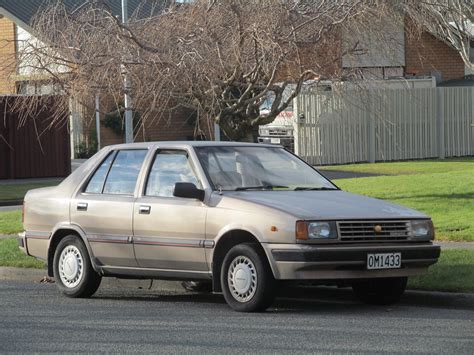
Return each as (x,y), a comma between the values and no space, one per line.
(217,132)
(126,86)
(97,119)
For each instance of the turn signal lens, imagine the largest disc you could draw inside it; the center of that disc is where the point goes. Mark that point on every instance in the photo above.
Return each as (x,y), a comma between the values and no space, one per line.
(301,230)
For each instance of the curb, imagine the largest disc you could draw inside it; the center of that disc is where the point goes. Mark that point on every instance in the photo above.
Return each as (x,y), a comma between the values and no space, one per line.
(41,276)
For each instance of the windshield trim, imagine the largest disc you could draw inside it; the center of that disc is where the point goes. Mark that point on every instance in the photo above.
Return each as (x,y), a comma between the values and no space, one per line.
(214,188)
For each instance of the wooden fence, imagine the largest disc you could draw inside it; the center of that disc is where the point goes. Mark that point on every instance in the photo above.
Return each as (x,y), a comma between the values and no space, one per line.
(37,147)
(384,125)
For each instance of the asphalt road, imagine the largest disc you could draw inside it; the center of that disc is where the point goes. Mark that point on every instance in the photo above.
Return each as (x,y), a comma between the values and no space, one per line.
(35,318)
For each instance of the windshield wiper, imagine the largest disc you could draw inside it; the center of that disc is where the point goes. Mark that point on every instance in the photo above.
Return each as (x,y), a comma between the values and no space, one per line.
(264,187)
(300,188)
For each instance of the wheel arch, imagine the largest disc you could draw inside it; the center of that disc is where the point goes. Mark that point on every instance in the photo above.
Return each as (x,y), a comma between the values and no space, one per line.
(60,232)
(227,241)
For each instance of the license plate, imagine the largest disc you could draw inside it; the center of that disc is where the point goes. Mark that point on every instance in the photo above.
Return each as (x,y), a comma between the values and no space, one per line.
(275,140)
(384,261)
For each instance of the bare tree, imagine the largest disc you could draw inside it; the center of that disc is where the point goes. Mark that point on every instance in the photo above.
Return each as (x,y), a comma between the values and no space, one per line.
(451,21)
(222,58)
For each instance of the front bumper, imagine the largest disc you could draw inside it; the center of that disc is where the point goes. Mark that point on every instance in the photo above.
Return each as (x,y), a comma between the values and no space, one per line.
(348,261)
(285,141)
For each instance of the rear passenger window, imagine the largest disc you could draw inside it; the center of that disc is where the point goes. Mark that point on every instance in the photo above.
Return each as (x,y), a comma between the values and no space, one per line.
(123,175)
(97,182)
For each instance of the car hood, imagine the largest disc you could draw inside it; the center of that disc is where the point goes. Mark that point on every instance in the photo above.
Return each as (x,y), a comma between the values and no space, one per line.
(327,205)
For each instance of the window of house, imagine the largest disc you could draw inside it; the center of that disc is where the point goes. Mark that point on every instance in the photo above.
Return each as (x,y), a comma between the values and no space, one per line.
(169,167)
(33,87)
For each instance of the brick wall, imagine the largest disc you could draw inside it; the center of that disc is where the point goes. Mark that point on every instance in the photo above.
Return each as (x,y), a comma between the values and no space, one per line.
(178,126)
(324,58)
(425,54)
(109,137)
(7,56)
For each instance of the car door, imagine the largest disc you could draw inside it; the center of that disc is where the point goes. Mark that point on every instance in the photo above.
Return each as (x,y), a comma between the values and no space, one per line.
(104,208)
(169,232)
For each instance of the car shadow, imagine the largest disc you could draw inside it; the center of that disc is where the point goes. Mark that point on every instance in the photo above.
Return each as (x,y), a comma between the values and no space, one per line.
(304,299)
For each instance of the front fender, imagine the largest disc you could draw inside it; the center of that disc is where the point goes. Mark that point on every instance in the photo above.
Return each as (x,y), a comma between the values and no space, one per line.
(251,230)
(239,226)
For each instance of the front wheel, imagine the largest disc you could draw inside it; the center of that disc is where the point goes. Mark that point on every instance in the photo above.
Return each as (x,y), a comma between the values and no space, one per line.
(247,280)
(73,271)
(383,291)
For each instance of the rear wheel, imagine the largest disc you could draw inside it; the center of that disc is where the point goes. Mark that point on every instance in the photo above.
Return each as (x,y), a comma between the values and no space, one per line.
(247,280)
(383,291)
(73,270)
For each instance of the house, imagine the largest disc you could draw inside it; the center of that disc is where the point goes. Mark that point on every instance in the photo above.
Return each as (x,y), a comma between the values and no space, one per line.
(410,54)
(412,57)
(15,19)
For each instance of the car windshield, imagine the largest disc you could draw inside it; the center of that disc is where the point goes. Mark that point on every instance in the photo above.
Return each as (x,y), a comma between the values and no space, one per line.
(258,168)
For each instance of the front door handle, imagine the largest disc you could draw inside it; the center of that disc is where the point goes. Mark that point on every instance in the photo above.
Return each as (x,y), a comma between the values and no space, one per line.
(82,206)
(143,209)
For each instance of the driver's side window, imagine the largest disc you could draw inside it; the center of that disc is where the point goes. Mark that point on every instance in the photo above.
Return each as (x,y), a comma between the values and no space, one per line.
(169,167)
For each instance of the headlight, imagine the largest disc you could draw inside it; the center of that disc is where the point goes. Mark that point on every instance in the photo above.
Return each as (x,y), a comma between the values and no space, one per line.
(422,228)
(315,230)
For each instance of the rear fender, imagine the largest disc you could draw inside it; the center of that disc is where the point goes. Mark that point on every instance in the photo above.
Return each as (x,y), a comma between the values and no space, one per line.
(65,226)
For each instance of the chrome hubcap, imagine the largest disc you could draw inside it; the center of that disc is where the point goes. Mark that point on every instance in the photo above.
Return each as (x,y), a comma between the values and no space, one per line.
(242,279)
(71,266)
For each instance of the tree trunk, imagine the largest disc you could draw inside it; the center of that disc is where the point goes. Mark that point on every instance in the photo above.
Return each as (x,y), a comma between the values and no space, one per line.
(249,137)
(241,132)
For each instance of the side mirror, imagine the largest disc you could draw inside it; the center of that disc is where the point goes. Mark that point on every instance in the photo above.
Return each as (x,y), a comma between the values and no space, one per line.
(188,190)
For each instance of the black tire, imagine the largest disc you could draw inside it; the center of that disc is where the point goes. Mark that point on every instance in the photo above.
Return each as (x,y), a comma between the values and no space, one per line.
(88,282)
(262,285)
(383,291)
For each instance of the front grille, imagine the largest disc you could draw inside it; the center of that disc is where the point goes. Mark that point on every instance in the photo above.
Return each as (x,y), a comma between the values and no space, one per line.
(373,231)
(280,132)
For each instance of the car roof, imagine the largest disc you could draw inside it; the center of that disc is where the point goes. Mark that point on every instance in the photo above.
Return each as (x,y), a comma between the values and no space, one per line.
(181,144)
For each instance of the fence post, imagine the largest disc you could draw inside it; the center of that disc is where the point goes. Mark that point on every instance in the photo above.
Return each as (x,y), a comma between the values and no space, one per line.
(296,125)
(440,122)
(12,125)
(371,129)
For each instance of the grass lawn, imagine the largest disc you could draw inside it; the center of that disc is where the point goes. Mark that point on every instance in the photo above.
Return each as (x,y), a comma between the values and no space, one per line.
(454,272)
(10,255)
(443,189)
(10,222)
(410,167)
(18,191)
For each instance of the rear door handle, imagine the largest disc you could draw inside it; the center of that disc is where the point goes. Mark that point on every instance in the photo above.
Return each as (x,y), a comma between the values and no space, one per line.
(144,209)
(82,206)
